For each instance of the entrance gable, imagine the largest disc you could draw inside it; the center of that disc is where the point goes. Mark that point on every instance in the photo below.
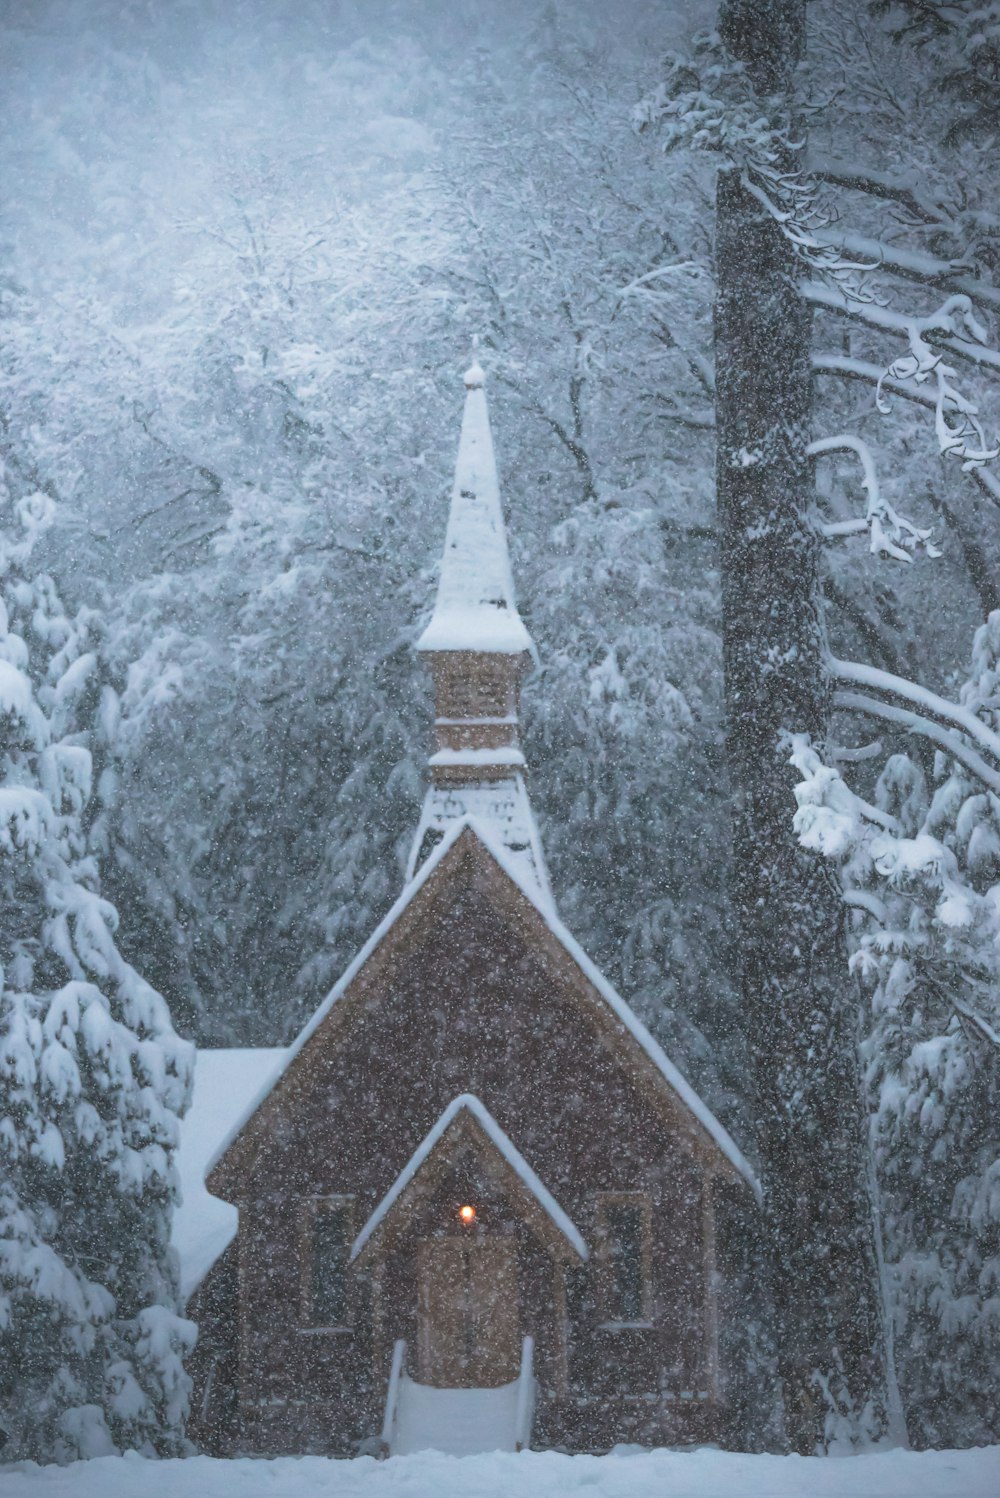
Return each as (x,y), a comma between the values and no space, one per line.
(466,1121)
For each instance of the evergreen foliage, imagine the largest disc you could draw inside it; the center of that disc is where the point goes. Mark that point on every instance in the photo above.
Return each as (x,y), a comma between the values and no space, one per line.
(920,866)
(92,1076)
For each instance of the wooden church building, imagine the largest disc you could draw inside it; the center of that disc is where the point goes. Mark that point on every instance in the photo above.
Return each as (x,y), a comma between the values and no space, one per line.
(479,1205)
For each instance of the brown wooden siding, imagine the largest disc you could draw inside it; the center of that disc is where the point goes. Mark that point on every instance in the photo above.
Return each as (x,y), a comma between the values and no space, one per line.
(473,1007)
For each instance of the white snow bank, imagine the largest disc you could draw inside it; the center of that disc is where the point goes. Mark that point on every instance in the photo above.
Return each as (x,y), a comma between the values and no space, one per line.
(227,1083)
(427,1474)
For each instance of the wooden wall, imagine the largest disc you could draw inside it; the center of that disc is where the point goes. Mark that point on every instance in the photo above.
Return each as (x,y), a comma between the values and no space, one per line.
(475,1005)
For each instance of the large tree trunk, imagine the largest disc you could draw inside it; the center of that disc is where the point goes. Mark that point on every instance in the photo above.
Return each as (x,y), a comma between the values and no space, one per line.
(799,1001)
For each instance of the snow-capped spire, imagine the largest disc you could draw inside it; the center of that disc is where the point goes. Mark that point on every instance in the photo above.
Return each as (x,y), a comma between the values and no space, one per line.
(475,608)
(478,650)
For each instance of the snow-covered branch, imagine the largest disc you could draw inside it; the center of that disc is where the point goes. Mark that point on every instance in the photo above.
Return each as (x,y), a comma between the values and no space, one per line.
(955,405)
(953,326)
(892,535)
(877,184)
(913,265)
(951,742)
(952,714)
(981,1025)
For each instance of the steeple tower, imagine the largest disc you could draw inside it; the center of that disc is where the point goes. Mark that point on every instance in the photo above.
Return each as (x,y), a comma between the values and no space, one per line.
(478,650)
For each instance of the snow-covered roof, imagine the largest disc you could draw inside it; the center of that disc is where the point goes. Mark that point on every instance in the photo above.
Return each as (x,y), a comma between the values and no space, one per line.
(228,1086)
(344,982)
(486,834)
(502,804)
(467,1103)
(675,1079)
(475,608)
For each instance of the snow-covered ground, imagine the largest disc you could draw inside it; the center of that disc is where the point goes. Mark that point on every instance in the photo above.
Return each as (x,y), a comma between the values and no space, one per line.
(651,1474)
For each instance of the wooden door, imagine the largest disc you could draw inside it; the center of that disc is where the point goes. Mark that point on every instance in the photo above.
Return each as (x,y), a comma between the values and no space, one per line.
(468,1312)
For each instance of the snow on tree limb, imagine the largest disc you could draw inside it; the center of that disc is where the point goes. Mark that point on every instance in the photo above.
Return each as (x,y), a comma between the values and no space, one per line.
(954,326)
(877,184)
(951,714)
(982,1025)
(844,367)
(892,535)
(914,723)
(913,265)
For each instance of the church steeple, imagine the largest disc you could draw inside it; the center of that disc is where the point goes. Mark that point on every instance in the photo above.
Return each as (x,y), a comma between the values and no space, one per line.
(478,650)
(475,610)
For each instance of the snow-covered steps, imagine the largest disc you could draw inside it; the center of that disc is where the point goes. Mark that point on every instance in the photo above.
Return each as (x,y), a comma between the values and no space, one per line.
(460,1422)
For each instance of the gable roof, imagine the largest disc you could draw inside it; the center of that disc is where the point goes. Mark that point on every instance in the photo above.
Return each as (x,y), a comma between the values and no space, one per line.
(463,1110)
(606,1004)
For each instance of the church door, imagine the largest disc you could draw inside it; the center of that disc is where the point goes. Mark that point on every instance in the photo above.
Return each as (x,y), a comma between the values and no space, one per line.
(468,1312)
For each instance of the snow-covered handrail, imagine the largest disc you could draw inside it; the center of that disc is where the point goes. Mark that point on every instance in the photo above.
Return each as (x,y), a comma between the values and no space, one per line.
(525,1411)
(392,1397)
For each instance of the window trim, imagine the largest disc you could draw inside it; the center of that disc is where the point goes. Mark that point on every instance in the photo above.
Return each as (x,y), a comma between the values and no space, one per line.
(605,1274)
(311,1208)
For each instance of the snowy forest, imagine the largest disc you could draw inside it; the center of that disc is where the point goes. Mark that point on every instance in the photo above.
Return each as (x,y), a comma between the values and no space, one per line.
(733,272)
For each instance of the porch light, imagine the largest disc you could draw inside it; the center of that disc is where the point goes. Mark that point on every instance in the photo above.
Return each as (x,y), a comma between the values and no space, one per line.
(467,1214)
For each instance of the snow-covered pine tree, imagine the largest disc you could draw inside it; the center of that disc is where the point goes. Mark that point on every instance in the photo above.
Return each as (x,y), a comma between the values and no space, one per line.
(920,866)
(817,1228)
(92,1076)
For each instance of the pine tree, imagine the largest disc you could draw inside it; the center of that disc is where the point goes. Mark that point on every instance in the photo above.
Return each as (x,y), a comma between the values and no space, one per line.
(920,868)
(781,255)
(92,1076)
(817,1220)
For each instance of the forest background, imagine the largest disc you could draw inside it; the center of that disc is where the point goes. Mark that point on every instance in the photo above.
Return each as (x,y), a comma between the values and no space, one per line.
(245,248)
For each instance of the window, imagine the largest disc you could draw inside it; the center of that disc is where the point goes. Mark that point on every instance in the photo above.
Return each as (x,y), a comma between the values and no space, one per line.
(624,1232)
(327,1245)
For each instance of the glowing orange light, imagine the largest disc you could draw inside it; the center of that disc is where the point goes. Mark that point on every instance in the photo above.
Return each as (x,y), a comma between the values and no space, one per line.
(467,1214)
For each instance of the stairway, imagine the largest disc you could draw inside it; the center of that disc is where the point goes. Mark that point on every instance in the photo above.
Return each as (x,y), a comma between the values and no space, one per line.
(460,1422)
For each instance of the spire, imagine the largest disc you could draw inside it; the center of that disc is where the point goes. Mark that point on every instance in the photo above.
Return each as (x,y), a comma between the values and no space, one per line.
(478,650)
(475,608)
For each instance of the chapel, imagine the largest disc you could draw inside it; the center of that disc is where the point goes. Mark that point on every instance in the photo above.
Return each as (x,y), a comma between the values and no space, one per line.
(478,1206)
